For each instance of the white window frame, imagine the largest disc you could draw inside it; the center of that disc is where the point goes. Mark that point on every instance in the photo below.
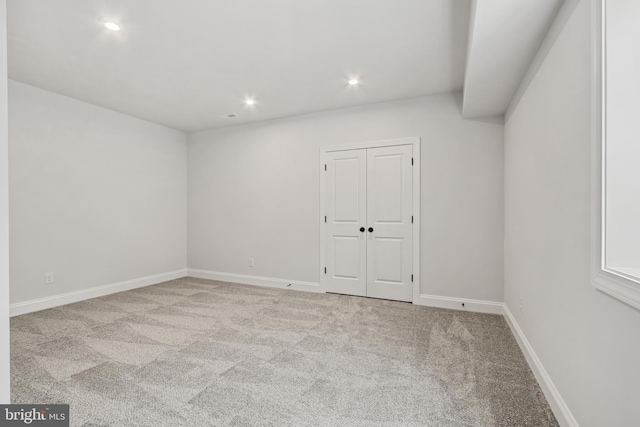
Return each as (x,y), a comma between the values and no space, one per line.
(608,281)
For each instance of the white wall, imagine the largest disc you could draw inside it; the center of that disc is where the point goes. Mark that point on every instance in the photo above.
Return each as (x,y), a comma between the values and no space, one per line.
(97,197)
(623,134)
(4,213)
(588,342)
(254,192)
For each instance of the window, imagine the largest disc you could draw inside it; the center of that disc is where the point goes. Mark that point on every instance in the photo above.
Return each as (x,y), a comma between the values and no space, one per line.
(617,150)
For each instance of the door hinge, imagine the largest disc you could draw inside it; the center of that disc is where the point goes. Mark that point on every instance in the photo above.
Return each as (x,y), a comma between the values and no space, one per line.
(325,218)
(412,277)
(411,219)
(325,270)
(325,167)
(412,161)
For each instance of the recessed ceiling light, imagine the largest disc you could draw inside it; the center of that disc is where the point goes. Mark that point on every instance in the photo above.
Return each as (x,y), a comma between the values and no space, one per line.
(109,24)
(112,26)
(250,101)
(354,82)
(229,116)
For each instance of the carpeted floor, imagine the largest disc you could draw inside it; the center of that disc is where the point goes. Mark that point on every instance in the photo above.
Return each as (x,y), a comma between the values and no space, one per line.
(193,352)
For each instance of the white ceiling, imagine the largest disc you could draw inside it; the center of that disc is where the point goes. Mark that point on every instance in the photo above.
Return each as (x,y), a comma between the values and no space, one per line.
(505,36)
(185,63)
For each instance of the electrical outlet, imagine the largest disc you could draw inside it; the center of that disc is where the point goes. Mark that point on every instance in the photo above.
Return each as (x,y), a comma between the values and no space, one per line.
(250,262)
(521,303)
(48,278)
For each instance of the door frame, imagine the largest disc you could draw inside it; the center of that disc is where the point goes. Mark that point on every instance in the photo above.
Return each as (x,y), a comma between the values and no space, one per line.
(413,141)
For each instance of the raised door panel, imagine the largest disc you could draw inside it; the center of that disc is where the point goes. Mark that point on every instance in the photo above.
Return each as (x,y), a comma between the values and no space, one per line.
(346,208)
(389,214)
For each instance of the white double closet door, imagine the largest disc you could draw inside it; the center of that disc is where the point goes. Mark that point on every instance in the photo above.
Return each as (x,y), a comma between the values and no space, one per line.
(369,209)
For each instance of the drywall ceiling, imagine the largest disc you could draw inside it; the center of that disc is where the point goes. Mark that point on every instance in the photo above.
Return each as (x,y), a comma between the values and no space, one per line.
(185,63)
(504,38)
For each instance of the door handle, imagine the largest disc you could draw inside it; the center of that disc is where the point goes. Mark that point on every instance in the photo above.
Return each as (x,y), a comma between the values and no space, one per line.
(370,229)
(362,229)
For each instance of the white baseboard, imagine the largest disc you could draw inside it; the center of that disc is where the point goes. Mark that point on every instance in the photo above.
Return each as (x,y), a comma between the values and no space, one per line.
(255,280)
(478,306)
(98,291)
(560,409)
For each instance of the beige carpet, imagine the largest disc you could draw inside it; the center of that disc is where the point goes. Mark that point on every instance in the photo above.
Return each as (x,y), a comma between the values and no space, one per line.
(193,352)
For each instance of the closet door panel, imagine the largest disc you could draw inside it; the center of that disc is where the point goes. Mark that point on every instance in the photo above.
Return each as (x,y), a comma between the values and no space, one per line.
(389,222)
(346,209)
